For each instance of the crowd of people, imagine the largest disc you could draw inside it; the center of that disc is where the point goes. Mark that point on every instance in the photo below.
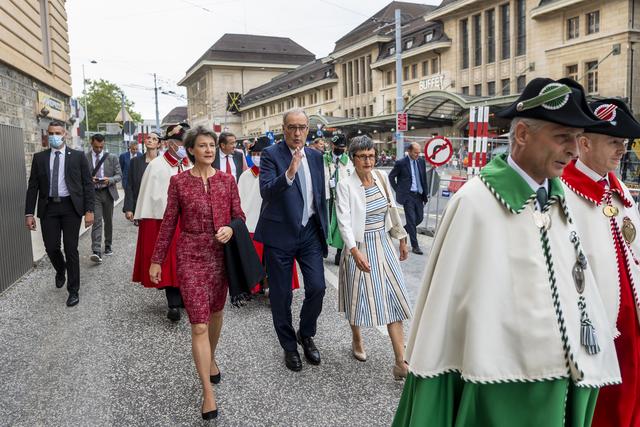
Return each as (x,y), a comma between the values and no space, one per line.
(528,313)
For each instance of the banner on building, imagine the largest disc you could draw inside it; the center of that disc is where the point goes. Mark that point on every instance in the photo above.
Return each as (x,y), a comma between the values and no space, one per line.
(53,106)
(233,102)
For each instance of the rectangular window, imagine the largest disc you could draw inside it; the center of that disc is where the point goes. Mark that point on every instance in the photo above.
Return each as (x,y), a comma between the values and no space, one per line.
(358,112)
(521,82)
(350,77)
(505,86)
(46,37)
(593,22)
(477,90)
(408,44)
(491,88)
(389,107)
(392,51)
(435,66)
(425,68)
(464,39)
(356,74)
(573,28)
(465,90)
(405,73)
(389,78)
(370,110)
(591,69)
(351,112)
(363,76)
(521,27)
(491,36)
(414,71)
(344,79)
(428,37)
(571,71)
(505,31)
(477,40)
(264,111)
(369,74)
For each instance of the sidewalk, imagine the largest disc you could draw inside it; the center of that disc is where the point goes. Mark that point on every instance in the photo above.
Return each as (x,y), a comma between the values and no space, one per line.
(116,360)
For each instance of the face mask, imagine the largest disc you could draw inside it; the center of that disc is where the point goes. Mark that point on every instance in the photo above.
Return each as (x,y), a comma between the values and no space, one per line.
(338,151)
(256,160)
(55,141)
(181,152)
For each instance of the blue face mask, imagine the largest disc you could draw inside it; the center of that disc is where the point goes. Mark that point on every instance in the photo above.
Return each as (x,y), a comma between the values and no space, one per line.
(181,153)
(55,141)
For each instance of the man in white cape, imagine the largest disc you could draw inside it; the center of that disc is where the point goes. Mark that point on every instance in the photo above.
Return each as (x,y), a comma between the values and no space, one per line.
(509,327)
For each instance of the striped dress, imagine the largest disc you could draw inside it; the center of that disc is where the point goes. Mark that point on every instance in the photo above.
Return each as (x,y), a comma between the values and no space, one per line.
(379,297)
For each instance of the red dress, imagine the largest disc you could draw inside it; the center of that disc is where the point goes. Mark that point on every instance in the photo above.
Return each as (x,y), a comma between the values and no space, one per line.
(200,257)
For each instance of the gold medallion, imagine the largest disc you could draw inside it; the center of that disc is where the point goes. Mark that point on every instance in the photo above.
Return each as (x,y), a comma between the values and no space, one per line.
(610,211)
(542,219)
(628,230)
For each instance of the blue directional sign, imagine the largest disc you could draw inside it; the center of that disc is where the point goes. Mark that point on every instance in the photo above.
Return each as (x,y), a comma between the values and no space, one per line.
(269,135)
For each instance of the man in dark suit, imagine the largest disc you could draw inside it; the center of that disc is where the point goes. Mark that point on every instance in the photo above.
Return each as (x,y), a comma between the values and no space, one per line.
(125,159)
(293,225)
(228,159)
(409,180)
(60,183)
(106,174)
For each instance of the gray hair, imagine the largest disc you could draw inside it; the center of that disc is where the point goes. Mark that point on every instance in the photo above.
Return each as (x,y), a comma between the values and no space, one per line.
(360,143)
(533,124)
(294,111)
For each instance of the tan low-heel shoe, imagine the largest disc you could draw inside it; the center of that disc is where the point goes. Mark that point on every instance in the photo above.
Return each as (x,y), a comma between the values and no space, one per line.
(358,355)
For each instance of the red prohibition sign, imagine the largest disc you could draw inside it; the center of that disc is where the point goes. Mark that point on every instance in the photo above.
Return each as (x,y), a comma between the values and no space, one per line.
(438,150)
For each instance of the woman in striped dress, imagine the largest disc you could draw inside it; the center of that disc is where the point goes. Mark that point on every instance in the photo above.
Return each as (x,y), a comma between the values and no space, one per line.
(371,286)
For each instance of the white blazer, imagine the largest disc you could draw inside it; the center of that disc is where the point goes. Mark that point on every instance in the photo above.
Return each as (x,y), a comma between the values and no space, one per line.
(351,207)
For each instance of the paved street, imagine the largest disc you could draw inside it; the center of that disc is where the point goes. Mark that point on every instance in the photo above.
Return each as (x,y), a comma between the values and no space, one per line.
(116,360)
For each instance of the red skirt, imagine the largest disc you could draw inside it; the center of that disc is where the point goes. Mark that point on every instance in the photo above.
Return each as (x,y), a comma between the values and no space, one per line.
(295,283)
(148,230)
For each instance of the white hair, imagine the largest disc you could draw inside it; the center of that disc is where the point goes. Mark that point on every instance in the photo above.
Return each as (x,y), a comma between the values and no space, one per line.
(294,111)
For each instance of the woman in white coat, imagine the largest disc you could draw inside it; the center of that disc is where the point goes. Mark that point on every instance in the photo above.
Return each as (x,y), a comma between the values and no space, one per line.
(371,286)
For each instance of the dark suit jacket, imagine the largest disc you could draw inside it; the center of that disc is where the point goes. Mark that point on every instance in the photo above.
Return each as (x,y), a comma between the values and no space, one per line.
(237,159)
(131,190)
(77,176)
(400,179)
(242,263)
(125,160)
(280,219)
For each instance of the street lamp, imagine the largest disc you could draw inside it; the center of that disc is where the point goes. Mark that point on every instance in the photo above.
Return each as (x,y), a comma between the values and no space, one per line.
(84,91)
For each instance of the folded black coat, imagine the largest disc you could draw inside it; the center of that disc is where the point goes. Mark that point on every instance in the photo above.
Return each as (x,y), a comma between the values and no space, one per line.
(243,265)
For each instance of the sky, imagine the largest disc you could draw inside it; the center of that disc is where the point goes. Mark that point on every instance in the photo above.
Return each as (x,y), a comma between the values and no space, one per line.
(132,39)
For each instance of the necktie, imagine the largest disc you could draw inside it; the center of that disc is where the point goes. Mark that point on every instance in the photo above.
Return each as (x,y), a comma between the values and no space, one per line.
(99,172)
(303,187)
(541,197)
(228,164)
(418,181)
(55,174)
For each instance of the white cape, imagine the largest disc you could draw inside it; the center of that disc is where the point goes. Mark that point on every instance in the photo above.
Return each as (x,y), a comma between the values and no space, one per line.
(152,198)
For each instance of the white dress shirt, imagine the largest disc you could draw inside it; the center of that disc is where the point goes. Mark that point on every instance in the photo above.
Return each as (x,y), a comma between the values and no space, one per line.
(591,173)
(532,183)
(96,158)
(223,164)
(63,191)
(307,176)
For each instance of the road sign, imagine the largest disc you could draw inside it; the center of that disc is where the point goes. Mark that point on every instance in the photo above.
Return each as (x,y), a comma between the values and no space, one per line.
(446,193)
(402,122)
(269,134)
(438,150)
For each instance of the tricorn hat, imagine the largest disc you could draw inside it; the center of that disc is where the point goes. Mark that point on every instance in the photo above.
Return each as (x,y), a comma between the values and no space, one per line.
(176,131)
(339,140)
(562,102)
(260,144)
(620,122)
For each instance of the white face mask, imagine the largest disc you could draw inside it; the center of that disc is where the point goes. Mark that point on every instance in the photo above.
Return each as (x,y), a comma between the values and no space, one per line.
(256,160)
(181,152)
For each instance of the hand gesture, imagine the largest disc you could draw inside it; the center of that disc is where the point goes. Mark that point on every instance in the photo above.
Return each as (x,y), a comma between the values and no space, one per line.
(155,273)
(224,234)
(295,163)
(30,223)
(360,260)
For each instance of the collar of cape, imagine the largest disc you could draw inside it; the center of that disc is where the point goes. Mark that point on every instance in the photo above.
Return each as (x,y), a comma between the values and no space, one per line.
(328,158)
(589,189)
(511,189)
(255,170)
(173,162)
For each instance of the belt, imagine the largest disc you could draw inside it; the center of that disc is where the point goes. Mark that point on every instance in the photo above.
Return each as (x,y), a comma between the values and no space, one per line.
(416,193)
(101,188)
(59,199)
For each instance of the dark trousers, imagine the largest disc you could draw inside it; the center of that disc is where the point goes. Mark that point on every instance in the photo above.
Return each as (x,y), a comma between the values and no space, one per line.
(62,219)
(174,299)
(103,213)
(279,262)
(413,213)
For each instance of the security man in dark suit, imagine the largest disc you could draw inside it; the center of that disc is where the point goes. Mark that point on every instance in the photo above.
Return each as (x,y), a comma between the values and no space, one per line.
(409,180)
(293,225)
(61,184)
(125,160)
(228,159)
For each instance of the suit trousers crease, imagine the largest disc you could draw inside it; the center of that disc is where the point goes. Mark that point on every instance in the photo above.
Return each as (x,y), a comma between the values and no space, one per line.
(103,214)
(413,213)
(61,220)
(308,253)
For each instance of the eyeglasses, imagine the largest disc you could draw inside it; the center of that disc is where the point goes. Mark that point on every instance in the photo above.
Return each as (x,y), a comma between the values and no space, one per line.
(364,157)
(293,128)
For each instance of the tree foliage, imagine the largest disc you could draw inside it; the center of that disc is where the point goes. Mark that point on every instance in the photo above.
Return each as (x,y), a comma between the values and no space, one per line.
(104,102)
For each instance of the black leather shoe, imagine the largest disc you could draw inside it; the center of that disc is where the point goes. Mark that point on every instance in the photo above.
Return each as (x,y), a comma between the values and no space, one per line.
(72,300)
(417,251)
(292,360)
(210,415)
(173,314)
(336,260)
(215,379)
(60,280)
(311,352)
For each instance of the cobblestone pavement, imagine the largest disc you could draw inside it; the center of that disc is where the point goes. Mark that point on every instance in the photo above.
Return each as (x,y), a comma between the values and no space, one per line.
(116,360)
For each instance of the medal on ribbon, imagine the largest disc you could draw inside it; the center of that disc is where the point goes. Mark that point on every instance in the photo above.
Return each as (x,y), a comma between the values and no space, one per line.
(628,230)
(542,219)
(610,211)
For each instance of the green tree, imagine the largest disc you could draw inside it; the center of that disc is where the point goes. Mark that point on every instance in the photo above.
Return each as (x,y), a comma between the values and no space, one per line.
(104,102)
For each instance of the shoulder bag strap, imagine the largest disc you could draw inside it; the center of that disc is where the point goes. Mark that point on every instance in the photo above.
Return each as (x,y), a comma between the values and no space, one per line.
(100,162)
(384,186)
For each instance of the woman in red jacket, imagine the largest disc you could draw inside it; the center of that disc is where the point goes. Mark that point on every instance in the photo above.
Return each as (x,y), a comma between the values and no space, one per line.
(205,201)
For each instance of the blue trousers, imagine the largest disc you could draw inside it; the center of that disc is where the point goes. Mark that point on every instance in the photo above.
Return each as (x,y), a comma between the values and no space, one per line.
(279,264)
(413,213)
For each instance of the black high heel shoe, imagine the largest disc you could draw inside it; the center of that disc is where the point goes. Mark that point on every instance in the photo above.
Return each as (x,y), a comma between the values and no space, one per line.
(215,379)
(210,415)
